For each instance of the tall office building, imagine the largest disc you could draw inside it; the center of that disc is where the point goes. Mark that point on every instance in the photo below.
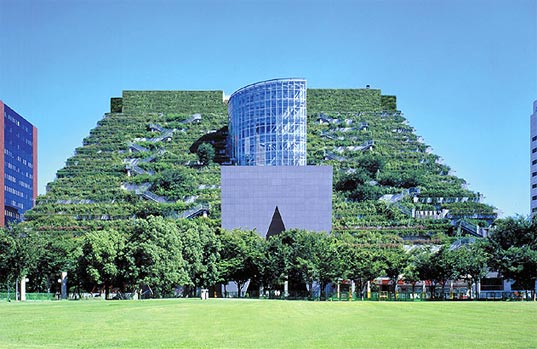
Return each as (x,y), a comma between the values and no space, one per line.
(533,165)
(18,165)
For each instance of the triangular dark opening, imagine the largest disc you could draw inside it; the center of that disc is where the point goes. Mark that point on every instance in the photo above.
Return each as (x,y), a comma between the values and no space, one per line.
(276,224)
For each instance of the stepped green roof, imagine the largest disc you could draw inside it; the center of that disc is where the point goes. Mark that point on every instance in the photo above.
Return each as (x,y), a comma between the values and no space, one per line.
(139,160)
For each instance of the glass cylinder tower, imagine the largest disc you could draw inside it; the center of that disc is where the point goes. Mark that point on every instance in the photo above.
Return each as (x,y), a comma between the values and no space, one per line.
(267,123)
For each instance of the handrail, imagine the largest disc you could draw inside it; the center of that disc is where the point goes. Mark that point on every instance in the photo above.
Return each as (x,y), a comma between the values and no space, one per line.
(152,196)
(195,211)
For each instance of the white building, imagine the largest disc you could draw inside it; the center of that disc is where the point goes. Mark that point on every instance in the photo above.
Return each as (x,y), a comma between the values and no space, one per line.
(533,172)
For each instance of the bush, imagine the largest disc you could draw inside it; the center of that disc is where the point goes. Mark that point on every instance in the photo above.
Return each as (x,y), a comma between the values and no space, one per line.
(351,181)
(205,153)
(406,179)
(173,183)
(365,192)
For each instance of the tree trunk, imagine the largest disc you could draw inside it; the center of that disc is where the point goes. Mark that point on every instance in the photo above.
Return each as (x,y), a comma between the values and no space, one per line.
(470,288)
(48,283)
(238,289)
(106,291)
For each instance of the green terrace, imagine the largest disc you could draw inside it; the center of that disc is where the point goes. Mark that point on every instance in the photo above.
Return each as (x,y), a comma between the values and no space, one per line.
(140,159)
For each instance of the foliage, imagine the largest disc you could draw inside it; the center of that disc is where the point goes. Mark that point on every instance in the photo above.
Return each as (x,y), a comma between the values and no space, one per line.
(388,102)
(98,263)
(205,153)
(310,258)
(58,253)
(7,252)
(366,192)
(19,251)
(470,263)
(89,197)
(359,259)
(173,184)
(407,179)
(172,101)
(350,181)
(393,261)
(154,256)
(371,163)
(432,265)
(89,187)
(278,260)
(513,250)
(201,251)
(240,257)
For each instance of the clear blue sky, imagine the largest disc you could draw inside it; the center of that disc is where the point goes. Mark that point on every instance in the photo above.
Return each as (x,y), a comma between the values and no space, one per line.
(464,71)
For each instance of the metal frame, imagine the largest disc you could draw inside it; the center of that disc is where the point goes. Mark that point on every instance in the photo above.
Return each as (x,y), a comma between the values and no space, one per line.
(267,123)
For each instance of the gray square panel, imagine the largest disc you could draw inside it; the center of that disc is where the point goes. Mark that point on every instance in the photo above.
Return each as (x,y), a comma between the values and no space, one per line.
(303,195)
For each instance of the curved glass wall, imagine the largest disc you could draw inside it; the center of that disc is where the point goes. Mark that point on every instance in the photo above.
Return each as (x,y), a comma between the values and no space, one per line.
(267,123)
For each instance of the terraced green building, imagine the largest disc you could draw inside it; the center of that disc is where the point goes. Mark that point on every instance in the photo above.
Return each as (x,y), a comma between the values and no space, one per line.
(141,160)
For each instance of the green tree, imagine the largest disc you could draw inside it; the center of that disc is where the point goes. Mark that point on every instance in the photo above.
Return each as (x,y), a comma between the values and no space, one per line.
(513,250)
(365,192)
(410,273)
(7,255)
(205,153)
(241,257)
(435,266)
(350,181)
(302,258)
(153,256)
(173,183)
(19,252)
(277,260)
(99,259)
(469,263)
(360,259)
(201,250)
(404,179)
(59,252)
(371,163)
(392,260)
(309,256)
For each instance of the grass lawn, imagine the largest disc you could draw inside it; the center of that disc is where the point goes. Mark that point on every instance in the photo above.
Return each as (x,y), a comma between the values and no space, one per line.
(267,324)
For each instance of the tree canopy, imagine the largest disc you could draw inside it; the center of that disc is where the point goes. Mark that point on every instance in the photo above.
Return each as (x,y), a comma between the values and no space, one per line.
(513,250)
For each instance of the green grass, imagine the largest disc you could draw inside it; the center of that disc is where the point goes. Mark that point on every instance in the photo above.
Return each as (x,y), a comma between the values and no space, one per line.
(267,324)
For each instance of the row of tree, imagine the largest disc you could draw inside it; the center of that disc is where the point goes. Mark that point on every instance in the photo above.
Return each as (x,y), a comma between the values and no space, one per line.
(162,254)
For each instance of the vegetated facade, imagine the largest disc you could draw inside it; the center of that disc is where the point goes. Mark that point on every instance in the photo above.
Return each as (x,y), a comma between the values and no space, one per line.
(533,159)
(18,165)
(140,160)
